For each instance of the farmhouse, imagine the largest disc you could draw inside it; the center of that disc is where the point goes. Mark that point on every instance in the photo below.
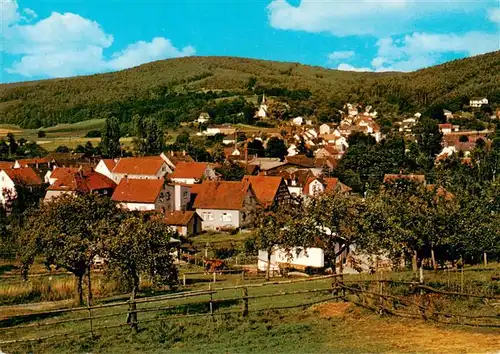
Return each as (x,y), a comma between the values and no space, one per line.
(192,172)
(150,167)
(82,181)
(297,258)
(224,205)
(315,186)
(10,178)
(269,190)
(142,194)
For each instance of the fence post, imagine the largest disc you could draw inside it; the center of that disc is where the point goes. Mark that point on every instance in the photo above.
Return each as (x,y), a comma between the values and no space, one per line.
(211,300)
(184,279)
(242,275)
(422,293)
(90,319)
(132,314)
(245,302)
(215,276)
(462,279)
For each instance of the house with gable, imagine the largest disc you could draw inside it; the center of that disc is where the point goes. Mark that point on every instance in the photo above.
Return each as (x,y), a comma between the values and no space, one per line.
(186,223)
(316,186)
(13,177)
(269,190)
(477,102)
(192,172)
(172,158)
(225,205)
(148,167)
(80,181)
(105,167)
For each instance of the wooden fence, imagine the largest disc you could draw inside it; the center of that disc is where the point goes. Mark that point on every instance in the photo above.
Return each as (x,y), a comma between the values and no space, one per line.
(136,311)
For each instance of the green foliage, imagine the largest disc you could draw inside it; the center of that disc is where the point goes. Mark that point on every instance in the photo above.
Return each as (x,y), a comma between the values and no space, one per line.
(41,134)
(93,134)
(149,136)
(174,91)
(110,141)
(276,147)
(62,148)
(231,171)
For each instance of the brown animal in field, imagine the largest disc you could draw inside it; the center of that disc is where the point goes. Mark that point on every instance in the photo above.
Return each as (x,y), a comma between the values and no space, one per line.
(214,266)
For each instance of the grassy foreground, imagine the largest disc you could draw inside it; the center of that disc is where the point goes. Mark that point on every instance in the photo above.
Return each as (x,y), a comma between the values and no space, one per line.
(327,328)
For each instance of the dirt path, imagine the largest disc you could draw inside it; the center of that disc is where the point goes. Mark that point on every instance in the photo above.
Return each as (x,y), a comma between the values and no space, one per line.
(407,336)
(26,309)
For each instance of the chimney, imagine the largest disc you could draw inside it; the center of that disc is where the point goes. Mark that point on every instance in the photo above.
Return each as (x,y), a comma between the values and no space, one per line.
(183,152)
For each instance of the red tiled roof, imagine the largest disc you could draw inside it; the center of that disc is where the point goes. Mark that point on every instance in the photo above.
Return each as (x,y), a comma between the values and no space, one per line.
(221,195)
(110,163)
(300,160)
(24,175)
(194,170)
(83,181)
(179,218)
(265,187)
(138,190)
(61,172)
(445,126)
(6,164)
(440,191)
(27,162)
(395,177)
(149,165)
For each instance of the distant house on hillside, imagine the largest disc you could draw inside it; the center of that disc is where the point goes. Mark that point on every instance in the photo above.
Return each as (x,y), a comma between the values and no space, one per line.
(203,118)
(316,186)
(477,102)
(82,181)
(192,172)
(393,178)
(148,167)
(10,178)
(224,204)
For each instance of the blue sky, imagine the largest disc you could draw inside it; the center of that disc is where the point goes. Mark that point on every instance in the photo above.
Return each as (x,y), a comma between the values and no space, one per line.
(46,38)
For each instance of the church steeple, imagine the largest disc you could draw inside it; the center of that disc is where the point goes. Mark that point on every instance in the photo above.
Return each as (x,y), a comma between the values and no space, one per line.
(263,98)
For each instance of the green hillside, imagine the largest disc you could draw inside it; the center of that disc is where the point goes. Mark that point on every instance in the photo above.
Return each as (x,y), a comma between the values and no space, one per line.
(176,90)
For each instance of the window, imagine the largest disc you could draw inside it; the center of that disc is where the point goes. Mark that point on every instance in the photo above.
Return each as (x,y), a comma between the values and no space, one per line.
(226,217)
(185,194)
(208,216)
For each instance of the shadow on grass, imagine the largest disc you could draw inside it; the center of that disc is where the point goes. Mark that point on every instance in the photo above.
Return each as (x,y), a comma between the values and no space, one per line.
(7,268)
(189,309)
(25,319)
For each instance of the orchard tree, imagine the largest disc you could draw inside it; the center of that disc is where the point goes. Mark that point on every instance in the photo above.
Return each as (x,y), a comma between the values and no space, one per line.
(140,245)
(276,147)
(66,232)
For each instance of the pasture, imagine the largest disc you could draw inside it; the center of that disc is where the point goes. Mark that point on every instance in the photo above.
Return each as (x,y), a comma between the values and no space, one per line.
(173,323)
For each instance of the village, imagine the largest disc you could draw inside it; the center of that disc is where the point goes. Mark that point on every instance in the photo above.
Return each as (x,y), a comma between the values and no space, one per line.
(194,197)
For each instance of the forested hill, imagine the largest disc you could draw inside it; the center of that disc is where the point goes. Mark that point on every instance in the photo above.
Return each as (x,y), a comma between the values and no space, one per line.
(178,90)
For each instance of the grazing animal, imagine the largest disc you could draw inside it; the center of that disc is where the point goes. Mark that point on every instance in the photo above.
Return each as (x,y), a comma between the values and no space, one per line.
(214,266)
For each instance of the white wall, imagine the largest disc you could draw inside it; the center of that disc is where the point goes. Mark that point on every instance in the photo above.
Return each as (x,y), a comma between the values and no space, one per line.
(138,206)
(310,257)
(185,180)
(117,177)
(218,218)
(6,185)
(103,170)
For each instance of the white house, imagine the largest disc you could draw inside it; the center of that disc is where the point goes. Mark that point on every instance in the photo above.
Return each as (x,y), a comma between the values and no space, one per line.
(203,118)
(105,167)
(297,258)
(298,121)
(10,178)
(192,172)
(148,167)
(477,102)
(224,205)
(324,129)
(292,150)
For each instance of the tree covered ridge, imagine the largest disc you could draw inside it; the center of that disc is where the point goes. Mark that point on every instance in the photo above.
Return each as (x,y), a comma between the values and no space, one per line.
(176,90)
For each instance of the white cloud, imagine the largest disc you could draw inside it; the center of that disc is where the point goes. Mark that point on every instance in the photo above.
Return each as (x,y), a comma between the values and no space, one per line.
(494,15)
(67,44)
(423,49)
(142,52)
(348,67)
(9,13)
(341,54)
(363,17)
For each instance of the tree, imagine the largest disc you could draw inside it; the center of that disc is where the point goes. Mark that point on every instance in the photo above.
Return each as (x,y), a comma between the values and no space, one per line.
(110,138)
(149,138)
(276,148)
(66,231)
(140,245)
(12,144)
(41,134)
(463,138)
(231,171)
(428,139)
(63,148)
(256,148)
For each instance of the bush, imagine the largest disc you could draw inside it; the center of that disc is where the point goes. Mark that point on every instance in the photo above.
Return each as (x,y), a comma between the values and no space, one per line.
(41,134)
(223,252)
(93,134)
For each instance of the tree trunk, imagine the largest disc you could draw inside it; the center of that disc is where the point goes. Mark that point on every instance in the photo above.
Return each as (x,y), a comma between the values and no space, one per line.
(79,288)
(132,314)
(414,262)
(89,288)
(268,265)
